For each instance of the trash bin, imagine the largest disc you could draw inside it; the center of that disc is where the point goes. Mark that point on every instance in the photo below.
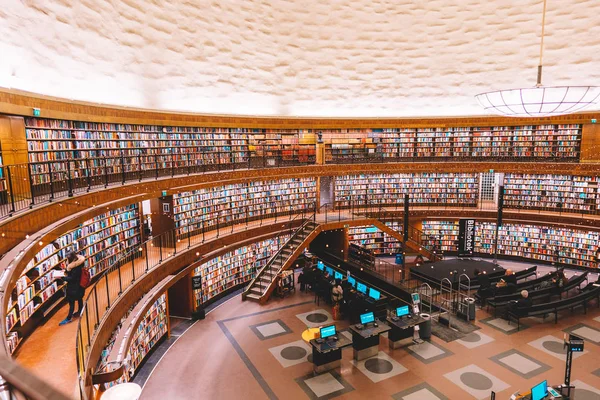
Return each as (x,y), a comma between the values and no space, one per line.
(425,327)
(399,258)
(470,308)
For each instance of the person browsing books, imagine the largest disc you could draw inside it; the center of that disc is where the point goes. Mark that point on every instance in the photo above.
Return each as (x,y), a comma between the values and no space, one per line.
(74,290)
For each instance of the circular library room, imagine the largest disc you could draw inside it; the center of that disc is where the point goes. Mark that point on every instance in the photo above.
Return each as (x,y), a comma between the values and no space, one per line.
(285,199)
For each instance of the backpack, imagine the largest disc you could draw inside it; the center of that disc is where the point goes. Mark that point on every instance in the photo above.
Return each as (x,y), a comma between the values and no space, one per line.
(86,278)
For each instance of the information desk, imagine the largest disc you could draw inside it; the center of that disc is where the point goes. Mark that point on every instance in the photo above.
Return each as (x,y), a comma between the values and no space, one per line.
(365,341)
(328,355)
(403,329)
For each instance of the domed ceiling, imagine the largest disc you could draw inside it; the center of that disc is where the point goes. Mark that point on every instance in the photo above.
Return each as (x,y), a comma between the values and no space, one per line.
(360,58)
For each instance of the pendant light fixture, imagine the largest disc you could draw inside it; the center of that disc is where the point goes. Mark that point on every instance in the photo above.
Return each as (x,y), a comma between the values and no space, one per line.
(539,101)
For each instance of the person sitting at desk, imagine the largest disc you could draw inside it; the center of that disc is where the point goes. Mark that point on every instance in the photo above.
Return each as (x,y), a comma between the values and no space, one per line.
(337,293)
(520,306)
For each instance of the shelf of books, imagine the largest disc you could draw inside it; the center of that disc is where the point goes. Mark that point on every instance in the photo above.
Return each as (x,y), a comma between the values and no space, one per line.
(552,192)
(423,189)
(500,142)
(282,146)
(103,240)
(575,247)
(152,328)
(351,144)
(443,235)
(237,203)
(380,243)
(234,268)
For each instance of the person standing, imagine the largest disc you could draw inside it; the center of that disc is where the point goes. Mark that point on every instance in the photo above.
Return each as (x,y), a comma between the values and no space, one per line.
(74,290)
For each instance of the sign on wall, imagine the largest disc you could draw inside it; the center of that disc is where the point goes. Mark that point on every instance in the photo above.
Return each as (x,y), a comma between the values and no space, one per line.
(466,237)
(196,282)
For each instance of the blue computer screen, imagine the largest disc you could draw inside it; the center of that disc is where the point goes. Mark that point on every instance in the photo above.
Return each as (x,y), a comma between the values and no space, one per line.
(402,311)
(352,281)
(338,275)
(327,331)
(320,265)
(366,318)
(539,391)
(373,293)
(330,270)
(361,287)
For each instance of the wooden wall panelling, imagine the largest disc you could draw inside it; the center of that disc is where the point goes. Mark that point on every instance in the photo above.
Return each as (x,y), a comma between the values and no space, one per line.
(22,103)
(590,143)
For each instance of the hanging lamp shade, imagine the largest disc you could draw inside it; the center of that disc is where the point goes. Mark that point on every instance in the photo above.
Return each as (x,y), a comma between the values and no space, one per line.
(539,101)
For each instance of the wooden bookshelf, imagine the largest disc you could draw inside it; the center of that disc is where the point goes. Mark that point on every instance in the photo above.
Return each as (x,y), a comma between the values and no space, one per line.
(103,240)
(443,235)
(237,203)
(371,238)
(234,268)
(145,335)
(423,189)
(575,247)
(567,193)
(98,149)
(527,142)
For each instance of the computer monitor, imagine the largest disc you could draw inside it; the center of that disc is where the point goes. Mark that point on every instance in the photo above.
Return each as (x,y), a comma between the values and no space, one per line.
(416,298)
(361,287)
(374,294)
(337,275)
(366,318)
(320,265)
(539,391)
(402,311)
(327,331)
(352,281)
(330,270)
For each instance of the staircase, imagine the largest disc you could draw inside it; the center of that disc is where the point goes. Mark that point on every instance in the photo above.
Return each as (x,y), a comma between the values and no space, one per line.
(261,287)
(414,241)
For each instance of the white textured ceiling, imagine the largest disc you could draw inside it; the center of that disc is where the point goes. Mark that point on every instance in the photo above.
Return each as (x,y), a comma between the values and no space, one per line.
(302,58)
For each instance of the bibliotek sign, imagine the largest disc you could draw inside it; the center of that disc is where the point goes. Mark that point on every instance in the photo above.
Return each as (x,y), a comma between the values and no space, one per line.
(466,237)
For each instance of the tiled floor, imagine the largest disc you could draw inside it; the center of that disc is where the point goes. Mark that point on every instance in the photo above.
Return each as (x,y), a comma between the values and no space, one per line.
(226,348)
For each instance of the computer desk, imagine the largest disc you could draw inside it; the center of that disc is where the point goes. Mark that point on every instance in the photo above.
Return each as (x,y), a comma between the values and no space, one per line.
(402,329)
(527,395)
(365,342)
(328,355)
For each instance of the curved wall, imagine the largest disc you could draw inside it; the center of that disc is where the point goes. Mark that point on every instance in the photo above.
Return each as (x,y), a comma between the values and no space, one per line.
(278,57)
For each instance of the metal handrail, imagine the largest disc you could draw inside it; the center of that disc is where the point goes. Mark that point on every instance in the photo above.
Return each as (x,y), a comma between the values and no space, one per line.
(165,246)
(23,186)
(278,252)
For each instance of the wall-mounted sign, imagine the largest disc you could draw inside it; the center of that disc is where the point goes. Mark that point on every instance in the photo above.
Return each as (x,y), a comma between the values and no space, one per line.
(196,282)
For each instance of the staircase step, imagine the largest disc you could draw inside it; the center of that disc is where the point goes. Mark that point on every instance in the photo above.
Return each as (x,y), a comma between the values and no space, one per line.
(253,297)
(256,290)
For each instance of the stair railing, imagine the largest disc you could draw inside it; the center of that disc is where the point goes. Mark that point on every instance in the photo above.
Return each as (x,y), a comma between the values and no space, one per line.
(306,217)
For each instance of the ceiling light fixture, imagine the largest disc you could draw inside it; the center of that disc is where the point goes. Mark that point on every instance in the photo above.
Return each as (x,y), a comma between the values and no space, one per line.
(539,101)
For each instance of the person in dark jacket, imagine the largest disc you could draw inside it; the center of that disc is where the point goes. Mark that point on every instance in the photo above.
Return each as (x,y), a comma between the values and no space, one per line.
(520,306)
(485,289)
(74,290)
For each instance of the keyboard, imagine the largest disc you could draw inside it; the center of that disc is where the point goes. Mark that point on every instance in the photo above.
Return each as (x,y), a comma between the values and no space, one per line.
(401,324)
